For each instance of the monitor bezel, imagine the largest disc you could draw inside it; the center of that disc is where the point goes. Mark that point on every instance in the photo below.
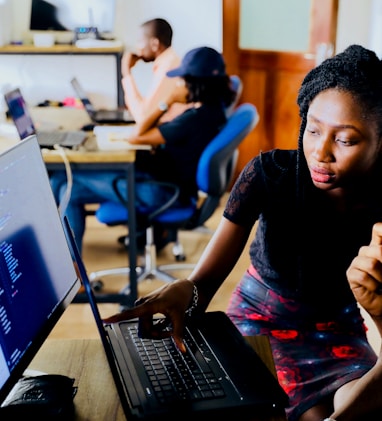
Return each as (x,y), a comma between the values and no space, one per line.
(46,329)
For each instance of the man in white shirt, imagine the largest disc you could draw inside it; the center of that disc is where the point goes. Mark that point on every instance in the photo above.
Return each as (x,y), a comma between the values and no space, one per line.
(154,45)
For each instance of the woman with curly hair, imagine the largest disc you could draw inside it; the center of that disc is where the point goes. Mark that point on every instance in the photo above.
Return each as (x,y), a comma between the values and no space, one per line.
(315,207)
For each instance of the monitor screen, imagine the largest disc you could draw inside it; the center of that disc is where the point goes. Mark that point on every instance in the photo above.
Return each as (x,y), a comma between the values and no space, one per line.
(67,15)
(37,275)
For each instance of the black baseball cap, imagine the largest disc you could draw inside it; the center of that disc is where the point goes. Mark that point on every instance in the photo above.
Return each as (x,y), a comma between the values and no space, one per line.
(200,62)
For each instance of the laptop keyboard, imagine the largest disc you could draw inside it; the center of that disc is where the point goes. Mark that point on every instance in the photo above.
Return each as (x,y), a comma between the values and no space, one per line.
(61,138)
(175,376)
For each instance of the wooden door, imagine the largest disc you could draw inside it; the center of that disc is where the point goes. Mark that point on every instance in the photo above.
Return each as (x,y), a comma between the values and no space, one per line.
(271,79)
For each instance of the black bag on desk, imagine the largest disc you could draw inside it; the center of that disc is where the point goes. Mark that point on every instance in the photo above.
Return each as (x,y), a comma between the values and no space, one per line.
(46,398)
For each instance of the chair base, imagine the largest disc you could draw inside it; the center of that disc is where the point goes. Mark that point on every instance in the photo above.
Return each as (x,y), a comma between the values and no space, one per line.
(143,274)
(159,273)
(149,271)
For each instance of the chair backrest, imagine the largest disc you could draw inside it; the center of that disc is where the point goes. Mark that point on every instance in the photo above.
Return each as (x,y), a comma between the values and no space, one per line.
(218,161)
(214,174)
(237,86)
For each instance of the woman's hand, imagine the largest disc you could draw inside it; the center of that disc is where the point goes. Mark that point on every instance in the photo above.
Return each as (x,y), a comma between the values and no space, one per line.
(365,276)
(172,300)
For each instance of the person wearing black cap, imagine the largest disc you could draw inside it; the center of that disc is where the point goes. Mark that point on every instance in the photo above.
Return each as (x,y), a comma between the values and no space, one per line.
(177,144)
(316,209)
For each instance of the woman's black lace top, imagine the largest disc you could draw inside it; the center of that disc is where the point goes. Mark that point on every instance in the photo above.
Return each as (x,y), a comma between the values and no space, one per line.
(301,249)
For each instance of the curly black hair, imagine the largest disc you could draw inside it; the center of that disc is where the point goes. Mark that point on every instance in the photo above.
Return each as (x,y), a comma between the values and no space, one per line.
(210,90)
(356,70)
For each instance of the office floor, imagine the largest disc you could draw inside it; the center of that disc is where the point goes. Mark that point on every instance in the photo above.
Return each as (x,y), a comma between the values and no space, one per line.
(101,250)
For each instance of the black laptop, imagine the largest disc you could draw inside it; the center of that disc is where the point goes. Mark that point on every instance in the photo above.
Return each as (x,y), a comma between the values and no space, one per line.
(219,375)
(101,116)
(37,277)
(21,116)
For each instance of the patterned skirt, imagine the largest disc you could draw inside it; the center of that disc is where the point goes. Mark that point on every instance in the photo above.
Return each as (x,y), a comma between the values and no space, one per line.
(313,359)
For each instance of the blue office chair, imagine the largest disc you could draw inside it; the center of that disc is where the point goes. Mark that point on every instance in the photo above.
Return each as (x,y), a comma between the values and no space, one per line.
(237,87)
(215,173)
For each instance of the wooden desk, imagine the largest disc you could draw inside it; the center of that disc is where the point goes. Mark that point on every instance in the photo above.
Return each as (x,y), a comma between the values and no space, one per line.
(57,49)
(68,49)
(97,398)
(89,157)
(85,361)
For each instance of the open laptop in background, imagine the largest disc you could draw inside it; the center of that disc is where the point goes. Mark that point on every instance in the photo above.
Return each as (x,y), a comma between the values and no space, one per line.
(21,116)
(219,375)
(101,116)
(37,277)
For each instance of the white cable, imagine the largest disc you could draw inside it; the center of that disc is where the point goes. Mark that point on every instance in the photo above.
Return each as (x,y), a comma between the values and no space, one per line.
(69,177)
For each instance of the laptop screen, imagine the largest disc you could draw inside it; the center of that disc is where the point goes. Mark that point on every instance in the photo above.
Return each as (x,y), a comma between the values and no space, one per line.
(19,113)
(37,275)
(82,96)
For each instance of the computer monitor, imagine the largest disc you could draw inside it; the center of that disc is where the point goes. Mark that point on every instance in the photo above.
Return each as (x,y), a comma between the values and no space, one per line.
(37,275)
(67,15)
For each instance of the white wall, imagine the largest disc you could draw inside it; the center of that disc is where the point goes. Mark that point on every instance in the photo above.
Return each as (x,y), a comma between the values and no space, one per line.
(375,33)
(131,13)
(353,25)
(47,77)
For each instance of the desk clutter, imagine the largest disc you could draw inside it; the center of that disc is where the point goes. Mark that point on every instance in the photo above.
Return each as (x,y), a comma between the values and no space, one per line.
(114,138)
(98,43)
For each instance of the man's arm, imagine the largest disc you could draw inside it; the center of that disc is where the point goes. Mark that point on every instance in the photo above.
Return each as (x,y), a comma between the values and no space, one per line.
(132,96)
(161,87)
(146,131)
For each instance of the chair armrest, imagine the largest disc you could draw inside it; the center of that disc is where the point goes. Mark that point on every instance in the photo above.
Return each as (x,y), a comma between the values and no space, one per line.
(173,189)
(148,212)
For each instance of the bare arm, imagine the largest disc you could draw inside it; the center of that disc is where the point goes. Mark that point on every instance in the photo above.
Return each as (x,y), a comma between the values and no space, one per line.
(146,131)
(365,277)
(150,137)
(133,99)
(358,398)
(161,86)
(172,300)
(218,259)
